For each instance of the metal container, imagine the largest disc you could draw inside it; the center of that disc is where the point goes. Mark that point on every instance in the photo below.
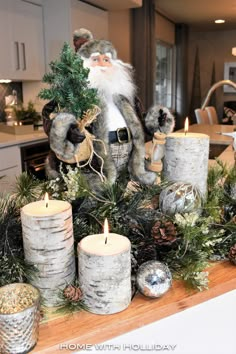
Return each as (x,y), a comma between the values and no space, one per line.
(19,318)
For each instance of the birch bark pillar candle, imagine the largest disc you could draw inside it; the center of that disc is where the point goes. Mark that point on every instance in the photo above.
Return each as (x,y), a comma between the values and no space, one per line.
(49,245)
(105,272)
(186,159)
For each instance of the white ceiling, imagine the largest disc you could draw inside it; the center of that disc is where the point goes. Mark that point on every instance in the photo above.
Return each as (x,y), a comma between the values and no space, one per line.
(114,5)
(197,13)
(200,13)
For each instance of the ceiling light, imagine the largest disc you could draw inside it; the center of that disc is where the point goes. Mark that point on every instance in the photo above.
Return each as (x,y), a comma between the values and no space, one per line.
(4,81)
(219,21)
(234,51)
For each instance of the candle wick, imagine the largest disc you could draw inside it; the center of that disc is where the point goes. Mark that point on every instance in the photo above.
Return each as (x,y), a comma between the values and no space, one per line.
(185,132)
(105,240)
(46,205)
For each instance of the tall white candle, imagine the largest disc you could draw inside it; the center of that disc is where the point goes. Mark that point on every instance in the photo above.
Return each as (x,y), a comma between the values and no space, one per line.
(186,159)
(105,272)
(49,245)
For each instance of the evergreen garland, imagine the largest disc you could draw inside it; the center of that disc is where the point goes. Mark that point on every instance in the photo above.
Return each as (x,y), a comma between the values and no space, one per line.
(133,212)
(68,84)
(13,267)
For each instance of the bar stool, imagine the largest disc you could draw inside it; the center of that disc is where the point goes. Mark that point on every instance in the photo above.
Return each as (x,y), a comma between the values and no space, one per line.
(202,116)
(213,117)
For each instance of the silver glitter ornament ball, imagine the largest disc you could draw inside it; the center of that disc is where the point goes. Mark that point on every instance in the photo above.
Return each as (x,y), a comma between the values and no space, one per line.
(153,279)
(180,197)
(230,188)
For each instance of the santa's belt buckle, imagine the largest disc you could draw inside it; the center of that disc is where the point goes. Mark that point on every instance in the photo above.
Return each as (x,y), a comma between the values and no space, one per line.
(123,135)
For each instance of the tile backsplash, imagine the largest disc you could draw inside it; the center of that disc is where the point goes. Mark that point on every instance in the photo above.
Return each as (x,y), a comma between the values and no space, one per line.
(6,90)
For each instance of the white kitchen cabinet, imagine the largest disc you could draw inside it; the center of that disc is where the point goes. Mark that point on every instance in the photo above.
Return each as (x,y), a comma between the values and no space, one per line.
(5,40)
(22,54)
(10,167)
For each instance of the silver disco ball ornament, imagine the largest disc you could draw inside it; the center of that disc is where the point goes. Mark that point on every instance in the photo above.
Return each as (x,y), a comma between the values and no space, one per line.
(233,191)
(153,279)
(180,198)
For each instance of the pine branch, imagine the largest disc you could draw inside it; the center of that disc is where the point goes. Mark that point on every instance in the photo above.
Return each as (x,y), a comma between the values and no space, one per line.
(27,189)
(68,84)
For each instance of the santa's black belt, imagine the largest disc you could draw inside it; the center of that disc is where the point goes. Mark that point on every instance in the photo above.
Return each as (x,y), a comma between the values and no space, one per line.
(121,135)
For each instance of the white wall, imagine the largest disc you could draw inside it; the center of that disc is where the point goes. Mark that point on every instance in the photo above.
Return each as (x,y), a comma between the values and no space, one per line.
(90,17)
(61,18)
(30,92)
(214,46)
(120,33)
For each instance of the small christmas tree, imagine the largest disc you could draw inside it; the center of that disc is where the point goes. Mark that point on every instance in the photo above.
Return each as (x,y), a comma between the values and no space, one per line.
(68,81)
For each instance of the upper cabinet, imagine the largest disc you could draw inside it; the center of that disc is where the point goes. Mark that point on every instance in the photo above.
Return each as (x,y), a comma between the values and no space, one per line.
(62,17)
(22,47)
(5,39)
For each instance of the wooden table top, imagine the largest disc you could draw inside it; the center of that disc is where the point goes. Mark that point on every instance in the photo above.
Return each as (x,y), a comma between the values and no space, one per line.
(88,328)
(212,131)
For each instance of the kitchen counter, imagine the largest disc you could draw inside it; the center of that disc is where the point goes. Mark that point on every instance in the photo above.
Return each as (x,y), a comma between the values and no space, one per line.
(227,156)
(7,140)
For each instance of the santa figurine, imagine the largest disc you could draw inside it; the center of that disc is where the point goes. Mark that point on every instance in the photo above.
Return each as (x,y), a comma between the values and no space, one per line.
(118,124)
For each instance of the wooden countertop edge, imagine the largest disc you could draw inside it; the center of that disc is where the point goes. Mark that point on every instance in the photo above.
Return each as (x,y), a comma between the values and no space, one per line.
(87,328)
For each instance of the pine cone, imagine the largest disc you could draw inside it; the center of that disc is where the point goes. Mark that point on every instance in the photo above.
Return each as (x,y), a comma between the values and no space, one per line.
(164,233)
(155,202)
(72,293)
(232,254)
(146,252)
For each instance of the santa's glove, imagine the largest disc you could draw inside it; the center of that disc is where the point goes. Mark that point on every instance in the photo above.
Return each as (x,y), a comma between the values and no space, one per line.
(62,125)
(159,119)
(74,135)
(49,108)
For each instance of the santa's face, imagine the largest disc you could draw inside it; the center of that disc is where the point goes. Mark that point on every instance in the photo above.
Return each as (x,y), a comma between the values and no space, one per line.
(102,60)
(109,76)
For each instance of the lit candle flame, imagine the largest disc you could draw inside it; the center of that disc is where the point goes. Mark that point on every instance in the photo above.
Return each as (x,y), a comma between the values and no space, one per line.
(186,125)
(106,230)
(46,199)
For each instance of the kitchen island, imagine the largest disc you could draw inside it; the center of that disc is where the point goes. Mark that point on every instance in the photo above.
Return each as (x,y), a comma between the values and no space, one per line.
(72,333)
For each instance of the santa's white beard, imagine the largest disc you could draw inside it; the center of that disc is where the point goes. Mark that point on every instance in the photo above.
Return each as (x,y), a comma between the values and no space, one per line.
(116,79)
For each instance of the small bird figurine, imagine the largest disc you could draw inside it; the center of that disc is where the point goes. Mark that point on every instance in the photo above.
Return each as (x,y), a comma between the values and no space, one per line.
(233,135)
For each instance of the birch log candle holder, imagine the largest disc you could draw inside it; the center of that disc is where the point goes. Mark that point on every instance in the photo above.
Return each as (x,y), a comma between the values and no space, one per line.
(105,272)
(49,245)
(186,159)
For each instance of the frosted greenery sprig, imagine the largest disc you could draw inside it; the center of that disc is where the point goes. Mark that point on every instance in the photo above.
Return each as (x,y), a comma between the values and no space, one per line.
(72,185)
(188,219)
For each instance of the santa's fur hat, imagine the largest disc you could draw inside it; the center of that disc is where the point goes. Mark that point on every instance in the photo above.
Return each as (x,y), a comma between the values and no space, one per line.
(97,46)
(82,33)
